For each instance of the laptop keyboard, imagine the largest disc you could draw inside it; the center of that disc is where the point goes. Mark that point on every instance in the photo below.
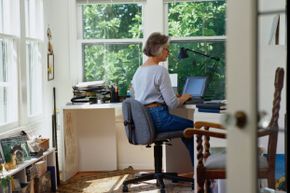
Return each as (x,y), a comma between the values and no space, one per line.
(194,101)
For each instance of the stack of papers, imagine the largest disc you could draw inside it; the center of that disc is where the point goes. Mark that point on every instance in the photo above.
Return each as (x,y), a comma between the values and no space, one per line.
(90,84)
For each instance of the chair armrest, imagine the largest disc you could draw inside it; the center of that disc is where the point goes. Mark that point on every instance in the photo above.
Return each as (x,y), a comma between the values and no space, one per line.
(189,132)
(265,132)
(200,124)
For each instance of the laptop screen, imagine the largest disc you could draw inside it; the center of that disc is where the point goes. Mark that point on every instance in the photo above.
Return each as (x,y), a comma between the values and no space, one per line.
(195,85)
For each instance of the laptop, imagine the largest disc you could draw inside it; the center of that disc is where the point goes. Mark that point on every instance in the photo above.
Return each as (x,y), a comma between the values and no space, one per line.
(196,86)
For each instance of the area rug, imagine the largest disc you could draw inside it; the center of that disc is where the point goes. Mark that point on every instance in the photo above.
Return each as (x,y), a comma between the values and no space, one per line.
(111,182)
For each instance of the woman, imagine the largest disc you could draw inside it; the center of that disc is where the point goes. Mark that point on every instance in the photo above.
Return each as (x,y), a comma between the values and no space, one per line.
(152,87)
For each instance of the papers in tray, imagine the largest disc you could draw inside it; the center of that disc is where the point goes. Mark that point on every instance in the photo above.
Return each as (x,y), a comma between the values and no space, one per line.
(90,84)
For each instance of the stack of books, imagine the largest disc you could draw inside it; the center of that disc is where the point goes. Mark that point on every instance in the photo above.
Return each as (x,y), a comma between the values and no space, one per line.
(214,107)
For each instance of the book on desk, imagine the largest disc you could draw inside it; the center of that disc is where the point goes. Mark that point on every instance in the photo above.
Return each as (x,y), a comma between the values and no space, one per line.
(211,107)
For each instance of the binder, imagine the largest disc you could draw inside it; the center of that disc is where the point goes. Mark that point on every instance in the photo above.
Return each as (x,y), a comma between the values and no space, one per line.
(216,106)
(209,110)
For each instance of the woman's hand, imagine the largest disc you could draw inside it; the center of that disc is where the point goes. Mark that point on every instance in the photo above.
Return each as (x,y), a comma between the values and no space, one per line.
(185,97)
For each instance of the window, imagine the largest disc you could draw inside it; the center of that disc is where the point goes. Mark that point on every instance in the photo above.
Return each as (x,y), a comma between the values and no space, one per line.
(33,61)
(198,26)
(9,32)
(111,37)
(34,39)
(111,41)
(8,81)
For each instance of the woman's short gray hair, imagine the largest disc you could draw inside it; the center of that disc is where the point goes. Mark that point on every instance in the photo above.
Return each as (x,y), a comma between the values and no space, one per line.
(155,43)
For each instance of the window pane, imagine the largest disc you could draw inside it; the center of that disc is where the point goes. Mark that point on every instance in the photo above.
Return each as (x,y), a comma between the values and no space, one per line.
(111,21)
(9,17)
(3,105)
(200,18)
(33,59)
(34,19)
(3,62)
(199,65)
(1,16)
(8,81)
(114,63)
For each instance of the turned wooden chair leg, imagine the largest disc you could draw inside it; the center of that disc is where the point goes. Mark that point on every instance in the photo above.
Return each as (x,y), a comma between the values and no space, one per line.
(271,182)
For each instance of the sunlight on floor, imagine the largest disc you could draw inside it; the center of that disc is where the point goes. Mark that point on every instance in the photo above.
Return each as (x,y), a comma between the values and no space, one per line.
(105,184)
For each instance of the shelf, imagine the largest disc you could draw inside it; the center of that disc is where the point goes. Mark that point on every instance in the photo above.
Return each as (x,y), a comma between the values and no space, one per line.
(26,163)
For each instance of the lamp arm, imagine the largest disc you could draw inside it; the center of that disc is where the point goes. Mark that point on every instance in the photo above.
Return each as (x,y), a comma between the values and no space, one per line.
(196,52)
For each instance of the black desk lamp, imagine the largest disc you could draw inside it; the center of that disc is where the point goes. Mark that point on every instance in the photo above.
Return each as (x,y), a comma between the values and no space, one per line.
(183,54)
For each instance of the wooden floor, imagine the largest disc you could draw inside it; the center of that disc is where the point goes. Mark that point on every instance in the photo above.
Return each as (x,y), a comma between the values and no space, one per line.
(111,182)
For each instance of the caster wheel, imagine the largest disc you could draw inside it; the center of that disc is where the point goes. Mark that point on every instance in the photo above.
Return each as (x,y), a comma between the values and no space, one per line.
(125,188)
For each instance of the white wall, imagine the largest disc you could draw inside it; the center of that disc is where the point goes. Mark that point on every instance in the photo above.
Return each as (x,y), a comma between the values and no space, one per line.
(270,57)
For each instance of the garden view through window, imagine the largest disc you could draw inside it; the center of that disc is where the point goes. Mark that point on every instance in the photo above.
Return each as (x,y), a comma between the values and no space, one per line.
(112,36)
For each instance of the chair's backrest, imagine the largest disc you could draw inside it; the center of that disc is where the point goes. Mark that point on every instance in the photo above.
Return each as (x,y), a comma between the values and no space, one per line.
(273,125)
(138,123)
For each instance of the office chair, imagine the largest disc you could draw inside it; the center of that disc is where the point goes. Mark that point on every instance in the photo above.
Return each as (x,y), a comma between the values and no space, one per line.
(140,131)
(213,166)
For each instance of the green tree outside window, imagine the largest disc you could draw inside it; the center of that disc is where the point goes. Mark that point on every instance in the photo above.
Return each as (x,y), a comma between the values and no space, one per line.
(117,62)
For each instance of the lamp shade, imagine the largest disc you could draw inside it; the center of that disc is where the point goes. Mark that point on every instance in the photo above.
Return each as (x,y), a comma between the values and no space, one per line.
(182,53)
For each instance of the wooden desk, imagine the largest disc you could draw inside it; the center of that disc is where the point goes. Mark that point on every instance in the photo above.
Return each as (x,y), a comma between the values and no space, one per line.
(94,140)
(89,138)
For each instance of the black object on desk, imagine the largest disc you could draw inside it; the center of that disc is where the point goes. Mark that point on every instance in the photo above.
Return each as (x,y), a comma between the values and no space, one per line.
(114,94)
(211,107)
(194,101)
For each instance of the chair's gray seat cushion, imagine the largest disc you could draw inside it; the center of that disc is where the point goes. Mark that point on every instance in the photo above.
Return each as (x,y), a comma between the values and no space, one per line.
(218,161)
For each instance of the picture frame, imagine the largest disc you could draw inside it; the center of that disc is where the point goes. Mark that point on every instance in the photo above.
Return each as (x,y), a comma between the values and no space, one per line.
(50,66)
(17,143)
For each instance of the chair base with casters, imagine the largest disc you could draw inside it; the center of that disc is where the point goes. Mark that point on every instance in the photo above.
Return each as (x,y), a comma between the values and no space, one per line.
(158,174)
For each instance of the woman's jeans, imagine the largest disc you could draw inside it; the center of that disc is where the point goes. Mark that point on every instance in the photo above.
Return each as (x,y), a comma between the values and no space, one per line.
(166,122)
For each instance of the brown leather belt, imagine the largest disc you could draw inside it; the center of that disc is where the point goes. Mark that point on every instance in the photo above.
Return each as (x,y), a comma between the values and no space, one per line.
(151,105)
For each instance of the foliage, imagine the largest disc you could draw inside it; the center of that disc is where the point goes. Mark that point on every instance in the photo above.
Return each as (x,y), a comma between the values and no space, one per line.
(5,182)
(114,63)
(203,18)
(117,62)
(109,21)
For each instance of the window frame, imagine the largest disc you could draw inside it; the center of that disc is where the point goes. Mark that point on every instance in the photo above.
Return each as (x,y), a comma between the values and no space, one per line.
(191,38)
(81,41)
(12,83)
(14,27)
(148,28)
(34,32)
(39,68)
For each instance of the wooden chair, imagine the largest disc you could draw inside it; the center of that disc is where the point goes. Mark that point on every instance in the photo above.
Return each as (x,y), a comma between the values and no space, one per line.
(213,166)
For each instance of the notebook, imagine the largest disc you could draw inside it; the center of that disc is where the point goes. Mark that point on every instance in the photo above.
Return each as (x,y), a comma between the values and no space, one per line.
(196,86)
